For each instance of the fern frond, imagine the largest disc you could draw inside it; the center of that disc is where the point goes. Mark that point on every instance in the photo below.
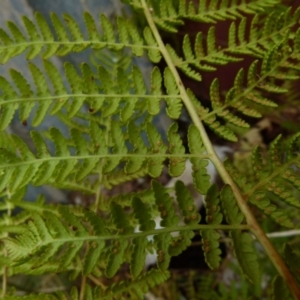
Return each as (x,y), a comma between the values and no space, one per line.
(240,97)
(53,237)
(275,181)
(246,255)
(169,16)
(136,288)
(126,97)
(41,40)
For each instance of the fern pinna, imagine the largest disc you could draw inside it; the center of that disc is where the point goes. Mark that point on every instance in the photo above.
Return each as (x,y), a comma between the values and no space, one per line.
(117,142)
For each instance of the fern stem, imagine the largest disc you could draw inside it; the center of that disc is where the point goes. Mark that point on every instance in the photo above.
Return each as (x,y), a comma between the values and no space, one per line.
(4,282)
(5,269)
(82,288)
(255,227)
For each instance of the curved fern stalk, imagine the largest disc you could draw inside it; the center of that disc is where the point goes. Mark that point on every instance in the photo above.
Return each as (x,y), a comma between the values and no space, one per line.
(169,15)
(250,219)
(40,38)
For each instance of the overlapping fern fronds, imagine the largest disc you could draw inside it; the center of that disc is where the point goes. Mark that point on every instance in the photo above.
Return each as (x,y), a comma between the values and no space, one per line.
(119,142)
(100,155)
(276,181)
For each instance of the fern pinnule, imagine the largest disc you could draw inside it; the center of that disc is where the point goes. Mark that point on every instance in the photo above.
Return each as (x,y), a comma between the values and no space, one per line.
(155,163)
(246,255)
(174,103)
(153,54)
(176,164)
(196,147)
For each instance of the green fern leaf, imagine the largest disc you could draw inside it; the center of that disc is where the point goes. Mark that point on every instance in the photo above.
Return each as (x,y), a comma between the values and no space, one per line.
(176,164)
(224,113)
(154,54)
(213,209)
(220,130)
(34,37)
(76,84)
(43,92)
(22,174)
(174,103)
(163,257)
(280,216)
(76,34)
(136,288)
(200,176)
(180,243)
(91,88)
(211,248)
(187,48)
(128,109)
(7,111)
(186,204)
(246,255)
(165,205)
(122,30)
(276,152)
(134,164)
(62,36)
(210,237)
(283,193)
(138,256)
(67,166)
(58,86)
(255,97)
(47,168)
(25,91)
(92,257)
(155,164)
(116,258)
(231,210)
(47,35)
(137,40)
(120,219)
(108,88)
(119,148)
(156,85)
(141,213)
(108,31)
(88,164)
(91,26)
